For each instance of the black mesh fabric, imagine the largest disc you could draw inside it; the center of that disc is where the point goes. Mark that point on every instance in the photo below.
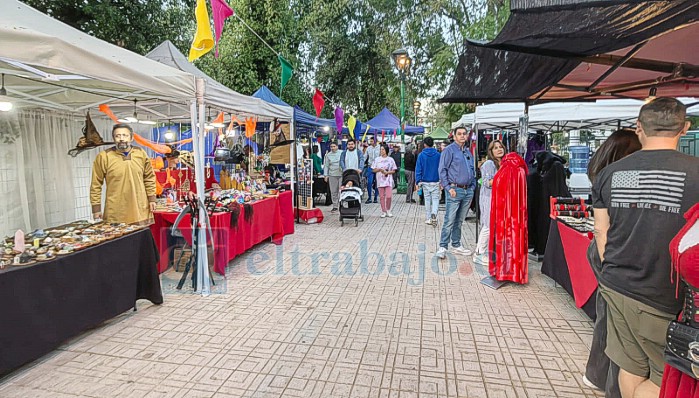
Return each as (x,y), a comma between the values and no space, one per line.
(583,28)
(487,75)
(543,41)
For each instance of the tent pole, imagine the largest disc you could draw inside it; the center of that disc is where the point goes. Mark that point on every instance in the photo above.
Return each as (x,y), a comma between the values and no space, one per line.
(523,131)
(203,282)
(294,166)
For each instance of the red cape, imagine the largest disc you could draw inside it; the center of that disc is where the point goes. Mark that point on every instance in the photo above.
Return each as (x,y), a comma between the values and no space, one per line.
(509,258)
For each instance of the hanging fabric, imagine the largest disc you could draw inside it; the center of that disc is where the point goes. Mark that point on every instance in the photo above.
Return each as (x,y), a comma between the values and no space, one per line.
(508,247)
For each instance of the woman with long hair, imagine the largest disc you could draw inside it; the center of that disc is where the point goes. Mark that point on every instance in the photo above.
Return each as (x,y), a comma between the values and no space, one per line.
(496,151)
(384,166)
(600,372)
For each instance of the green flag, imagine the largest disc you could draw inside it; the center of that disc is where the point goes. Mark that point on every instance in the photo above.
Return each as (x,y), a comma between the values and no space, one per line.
(287,72)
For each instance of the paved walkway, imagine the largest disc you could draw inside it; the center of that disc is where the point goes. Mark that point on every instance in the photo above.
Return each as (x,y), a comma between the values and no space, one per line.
(311,319)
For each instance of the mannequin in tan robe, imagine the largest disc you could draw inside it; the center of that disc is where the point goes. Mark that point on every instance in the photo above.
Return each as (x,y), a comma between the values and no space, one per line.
(130,179)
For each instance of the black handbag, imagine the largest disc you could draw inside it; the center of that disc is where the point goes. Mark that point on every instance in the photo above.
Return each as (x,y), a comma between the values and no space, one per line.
(682,348)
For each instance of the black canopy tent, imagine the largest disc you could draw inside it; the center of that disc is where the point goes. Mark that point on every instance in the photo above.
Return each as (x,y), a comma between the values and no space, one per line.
(553,50)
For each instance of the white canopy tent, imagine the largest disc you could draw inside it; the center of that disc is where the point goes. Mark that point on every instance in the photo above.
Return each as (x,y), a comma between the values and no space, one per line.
(52,66)
(599,115)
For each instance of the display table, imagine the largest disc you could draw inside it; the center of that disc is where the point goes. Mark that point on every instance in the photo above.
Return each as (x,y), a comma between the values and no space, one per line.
(272,218)
(565,261)
(311,216)
(47,303)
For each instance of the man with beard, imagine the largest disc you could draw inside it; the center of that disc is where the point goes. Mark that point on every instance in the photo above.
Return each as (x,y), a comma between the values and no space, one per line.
(130,196)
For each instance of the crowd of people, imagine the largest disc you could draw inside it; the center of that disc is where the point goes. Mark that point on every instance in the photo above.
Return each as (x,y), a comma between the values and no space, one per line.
(644,194)
(437,174)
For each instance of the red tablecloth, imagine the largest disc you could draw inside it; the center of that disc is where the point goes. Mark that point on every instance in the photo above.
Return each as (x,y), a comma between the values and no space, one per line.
(582,277)
(311,216)
(272,218)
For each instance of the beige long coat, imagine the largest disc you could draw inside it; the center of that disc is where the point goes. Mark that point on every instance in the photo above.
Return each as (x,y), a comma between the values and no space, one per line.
(130,185)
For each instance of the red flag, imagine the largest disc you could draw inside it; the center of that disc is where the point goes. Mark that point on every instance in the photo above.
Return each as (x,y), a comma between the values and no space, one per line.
(383,135)
(318,102)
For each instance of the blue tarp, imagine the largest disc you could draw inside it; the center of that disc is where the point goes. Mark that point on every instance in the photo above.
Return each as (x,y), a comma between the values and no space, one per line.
(266,94)
(388,122)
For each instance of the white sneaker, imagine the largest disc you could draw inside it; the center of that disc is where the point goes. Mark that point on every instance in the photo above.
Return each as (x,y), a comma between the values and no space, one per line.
(442,253)
(480,259)
(390,214)
(383,215)
(428,222)
(590,384)
(461,250)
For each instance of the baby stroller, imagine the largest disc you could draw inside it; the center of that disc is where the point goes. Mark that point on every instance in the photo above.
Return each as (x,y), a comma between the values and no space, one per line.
(351,197)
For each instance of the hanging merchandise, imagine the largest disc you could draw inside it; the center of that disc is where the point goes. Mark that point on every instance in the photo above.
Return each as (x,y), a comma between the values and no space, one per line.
(509,260)
(104,108)
(280,152)
(250,126)
(91,138)
(203,38)
(546,179)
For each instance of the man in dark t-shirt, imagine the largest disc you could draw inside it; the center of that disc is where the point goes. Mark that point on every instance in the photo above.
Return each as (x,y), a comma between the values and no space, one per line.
(639,202)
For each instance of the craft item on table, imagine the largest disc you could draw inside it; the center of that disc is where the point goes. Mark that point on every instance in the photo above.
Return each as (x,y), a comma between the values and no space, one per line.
(19,241)
(91,138)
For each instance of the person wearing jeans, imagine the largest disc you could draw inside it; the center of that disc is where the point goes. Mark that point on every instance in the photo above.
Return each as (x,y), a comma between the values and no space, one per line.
(457,175)
(431,192)
(427,177)
(372,152)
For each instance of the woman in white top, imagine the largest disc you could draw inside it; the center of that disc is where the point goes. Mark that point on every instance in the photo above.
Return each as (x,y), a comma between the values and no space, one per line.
(496,151)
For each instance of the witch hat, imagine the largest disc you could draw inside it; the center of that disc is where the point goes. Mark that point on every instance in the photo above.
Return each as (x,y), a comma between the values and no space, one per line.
(91,138)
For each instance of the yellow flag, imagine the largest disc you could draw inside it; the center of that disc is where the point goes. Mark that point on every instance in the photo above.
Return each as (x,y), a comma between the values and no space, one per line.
(351,124)
(203,39)
(365,131)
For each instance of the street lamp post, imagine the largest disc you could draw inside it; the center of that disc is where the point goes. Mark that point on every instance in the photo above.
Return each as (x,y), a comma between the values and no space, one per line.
(402,61)
(416,108)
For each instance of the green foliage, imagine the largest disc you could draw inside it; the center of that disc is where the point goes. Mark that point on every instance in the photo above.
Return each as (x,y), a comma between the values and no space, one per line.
(342,47)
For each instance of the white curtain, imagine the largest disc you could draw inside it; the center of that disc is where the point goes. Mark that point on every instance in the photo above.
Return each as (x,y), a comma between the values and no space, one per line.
(44,186)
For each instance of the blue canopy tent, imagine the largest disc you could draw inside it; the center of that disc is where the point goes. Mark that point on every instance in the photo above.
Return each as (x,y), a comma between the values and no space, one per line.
(388,122)
(304,121)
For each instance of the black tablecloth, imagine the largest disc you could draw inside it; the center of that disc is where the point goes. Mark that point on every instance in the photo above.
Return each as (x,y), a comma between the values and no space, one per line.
(555,267)
(47,303)
(321,189)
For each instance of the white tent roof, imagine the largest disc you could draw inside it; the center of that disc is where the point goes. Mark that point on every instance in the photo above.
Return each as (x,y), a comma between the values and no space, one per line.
(218,95)
(52,65)
(602,114)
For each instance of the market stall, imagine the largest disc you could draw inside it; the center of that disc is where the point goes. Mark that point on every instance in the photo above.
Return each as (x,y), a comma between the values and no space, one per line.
(565,261)
(233,232)
(79,276)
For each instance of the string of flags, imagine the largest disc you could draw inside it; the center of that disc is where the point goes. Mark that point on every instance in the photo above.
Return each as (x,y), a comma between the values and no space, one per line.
(205,40)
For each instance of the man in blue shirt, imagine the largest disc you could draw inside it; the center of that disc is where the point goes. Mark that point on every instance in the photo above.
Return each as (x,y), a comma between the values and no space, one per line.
(457,175)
